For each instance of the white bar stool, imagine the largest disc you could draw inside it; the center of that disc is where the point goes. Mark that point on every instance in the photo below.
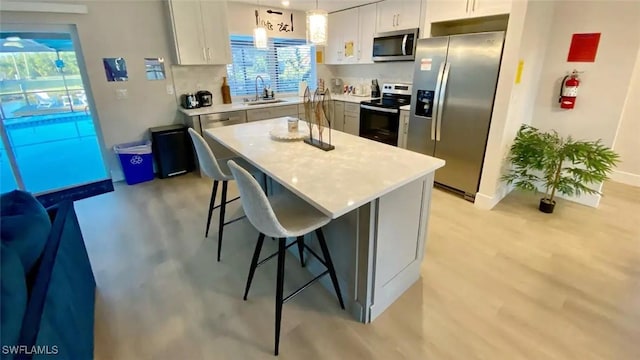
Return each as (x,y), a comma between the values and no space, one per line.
(214,169)
(282,216)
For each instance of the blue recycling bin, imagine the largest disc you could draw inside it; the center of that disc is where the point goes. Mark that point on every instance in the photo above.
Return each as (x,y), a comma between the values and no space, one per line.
(136,160)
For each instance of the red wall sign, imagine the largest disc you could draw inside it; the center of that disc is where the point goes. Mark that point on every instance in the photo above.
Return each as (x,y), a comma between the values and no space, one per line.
(583,47)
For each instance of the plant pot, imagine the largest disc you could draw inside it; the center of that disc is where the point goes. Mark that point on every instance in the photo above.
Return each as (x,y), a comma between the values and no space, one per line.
(546,205)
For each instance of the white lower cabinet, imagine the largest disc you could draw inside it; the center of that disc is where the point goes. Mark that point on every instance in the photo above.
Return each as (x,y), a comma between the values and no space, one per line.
(272,112)
(352,118)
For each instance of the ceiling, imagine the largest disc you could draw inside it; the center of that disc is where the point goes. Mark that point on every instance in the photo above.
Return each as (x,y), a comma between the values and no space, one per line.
(328,5)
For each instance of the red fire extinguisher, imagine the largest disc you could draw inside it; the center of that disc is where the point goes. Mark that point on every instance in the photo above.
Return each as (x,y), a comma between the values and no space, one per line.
(569,90)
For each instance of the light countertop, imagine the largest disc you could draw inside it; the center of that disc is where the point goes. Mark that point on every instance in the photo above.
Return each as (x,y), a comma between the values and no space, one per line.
(239,106)
(335,182)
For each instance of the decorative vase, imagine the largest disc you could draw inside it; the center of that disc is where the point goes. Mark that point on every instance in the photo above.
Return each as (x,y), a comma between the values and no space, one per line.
(546,205)
(225,90)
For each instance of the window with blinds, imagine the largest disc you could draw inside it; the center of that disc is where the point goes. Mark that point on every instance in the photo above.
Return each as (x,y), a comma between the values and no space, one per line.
(282,65)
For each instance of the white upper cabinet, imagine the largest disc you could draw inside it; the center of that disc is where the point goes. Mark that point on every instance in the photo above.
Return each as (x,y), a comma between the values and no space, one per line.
(334,51)
(351,36)
(490,7)
(367,31)
(445,10)
(398,15)
(216,31)
(200,32)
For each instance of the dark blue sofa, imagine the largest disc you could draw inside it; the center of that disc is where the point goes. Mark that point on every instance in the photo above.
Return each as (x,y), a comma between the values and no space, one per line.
(48,288)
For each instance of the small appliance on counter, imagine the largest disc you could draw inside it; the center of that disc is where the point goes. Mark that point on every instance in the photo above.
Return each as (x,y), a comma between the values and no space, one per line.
(205,98)
(337,86)
(375,89)
(189,101)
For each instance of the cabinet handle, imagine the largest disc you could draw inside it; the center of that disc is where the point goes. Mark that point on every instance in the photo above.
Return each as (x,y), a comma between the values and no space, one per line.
(394,20)
(473,7)
(398,20)
(467,10)
(204,54)
(209,53)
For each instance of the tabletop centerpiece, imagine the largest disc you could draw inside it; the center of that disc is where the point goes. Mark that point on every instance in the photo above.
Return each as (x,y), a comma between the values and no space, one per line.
(317,111)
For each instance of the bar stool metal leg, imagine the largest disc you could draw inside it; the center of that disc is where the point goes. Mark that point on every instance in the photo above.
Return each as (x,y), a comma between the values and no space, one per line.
(214,191)
(254,264)
(332,270)
(279,290)
(300,242)
(223,206)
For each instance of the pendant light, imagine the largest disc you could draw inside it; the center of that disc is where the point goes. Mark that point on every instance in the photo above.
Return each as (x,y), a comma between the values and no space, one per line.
(259,33)
(317,26)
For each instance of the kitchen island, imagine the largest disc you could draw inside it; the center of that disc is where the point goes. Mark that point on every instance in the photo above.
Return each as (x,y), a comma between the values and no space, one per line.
(377,195)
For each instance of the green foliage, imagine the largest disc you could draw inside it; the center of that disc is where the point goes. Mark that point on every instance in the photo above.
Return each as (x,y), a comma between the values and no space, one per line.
(564,165)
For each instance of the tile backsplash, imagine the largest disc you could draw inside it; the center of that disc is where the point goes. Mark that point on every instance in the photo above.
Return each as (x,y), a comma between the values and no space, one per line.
(189,79)
(395,72)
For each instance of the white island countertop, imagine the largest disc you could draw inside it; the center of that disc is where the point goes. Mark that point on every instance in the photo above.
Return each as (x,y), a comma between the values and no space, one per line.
(240,106)
(335,182)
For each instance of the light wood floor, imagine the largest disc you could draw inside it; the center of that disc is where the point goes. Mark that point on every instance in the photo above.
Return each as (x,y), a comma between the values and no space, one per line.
(511,283)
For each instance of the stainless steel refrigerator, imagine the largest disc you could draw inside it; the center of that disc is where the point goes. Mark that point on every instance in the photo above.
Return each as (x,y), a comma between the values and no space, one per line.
(454,85)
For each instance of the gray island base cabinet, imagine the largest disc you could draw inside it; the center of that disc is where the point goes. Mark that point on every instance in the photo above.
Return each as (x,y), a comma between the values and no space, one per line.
(377,195)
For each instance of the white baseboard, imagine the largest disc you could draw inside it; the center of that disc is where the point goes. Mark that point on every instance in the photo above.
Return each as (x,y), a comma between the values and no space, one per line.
(592,200)
(486,202)
(626,178)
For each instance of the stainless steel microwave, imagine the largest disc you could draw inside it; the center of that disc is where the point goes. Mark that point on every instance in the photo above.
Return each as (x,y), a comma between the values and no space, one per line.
(395,45)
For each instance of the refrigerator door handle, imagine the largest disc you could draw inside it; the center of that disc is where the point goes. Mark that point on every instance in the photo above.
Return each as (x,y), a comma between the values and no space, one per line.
(436,100)
(404,44)
(442,95)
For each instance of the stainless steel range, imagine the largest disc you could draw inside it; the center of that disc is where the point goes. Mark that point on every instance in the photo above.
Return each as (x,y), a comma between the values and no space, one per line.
(380,119)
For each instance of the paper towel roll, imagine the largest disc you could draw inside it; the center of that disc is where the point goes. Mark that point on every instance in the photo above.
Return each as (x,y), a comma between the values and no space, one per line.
(302,86)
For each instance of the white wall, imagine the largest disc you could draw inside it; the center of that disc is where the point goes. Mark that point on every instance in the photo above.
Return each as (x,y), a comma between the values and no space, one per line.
(604,83)
(627,142)
(133,30)
(242,21)
(527,35)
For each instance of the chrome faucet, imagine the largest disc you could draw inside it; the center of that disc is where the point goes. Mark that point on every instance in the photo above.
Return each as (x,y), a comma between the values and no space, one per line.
(263,87)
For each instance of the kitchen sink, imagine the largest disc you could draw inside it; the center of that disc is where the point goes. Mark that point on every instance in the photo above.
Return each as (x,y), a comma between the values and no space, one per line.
(269,101)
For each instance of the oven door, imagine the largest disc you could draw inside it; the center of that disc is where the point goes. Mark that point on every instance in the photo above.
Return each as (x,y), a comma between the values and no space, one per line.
(379,124)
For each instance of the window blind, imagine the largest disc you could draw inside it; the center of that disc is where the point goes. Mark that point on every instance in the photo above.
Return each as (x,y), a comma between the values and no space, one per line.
(282,65)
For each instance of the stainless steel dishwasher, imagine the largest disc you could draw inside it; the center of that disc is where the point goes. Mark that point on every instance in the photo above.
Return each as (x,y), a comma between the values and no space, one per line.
(212,121)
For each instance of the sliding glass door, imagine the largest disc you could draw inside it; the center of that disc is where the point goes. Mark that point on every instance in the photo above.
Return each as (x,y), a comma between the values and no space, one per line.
(50,141)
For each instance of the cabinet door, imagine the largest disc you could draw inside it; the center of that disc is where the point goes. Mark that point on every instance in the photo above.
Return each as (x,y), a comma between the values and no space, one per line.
(352,123)
(386,14)
(408,16)
(216,31)
(335,47)
(350,35)
(489,7)
(403,129)
(338,115)
(445,10)
(367,31)
(186,23)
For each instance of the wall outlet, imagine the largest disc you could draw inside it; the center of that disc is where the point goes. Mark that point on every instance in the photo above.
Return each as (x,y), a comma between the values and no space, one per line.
(122,94)
(170,89)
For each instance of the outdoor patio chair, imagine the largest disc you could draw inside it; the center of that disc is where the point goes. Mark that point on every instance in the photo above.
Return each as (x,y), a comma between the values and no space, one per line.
(44,101)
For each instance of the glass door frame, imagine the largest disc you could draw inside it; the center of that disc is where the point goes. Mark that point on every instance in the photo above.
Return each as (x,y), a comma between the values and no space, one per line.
(72,30)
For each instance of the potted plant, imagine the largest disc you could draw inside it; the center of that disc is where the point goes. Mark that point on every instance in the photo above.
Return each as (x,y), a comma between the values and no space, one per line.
(556,164)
